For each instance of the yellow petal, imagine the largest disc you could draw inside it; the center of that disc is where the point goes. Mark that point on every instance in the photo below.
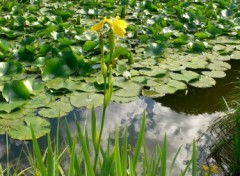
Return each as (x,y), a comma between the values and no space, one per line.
(118,30)
(215,169)
(98,26)
(121,23)
(108,21)
(118,26)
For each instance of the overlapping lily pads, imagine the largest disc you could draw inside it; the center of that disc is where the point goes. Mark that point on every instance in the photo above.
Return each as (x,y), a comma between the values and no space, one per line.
(50,59)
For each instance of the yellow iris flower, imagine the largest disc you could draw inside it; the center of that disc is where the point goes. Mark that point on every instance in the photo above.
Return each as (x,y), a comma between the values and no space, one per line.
(117,25)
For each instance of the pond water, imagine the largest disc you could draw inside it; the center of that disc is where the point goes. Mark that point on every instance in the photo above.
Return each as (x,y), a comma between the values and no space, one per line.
(182,116)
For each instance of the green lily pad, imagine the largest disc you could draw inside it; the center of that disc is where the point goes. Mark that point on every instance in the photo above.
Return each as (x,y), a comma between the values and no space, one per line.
(171,87)
(218,65)
(154,72)
(214,74)
(40,127)
(9,107)
(10,67)
(55,67)
(121,99)
(155,49)
(152,93)
(38,101)
(56,109)
(15,90)
(203,82)
(86,99)
(186,76)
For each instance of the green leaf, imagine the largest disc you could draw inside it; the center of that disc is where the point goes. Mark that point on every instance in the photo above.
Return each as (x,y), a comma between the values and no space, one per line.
(4,46)
(38,101)
(203,82)
(86,99)
(213,29)
(138,146)
(9,107)
(56,109)
(90,45)
(155,49)
(201,35)
(38,154)
(15,90)
(214,74)
(186,76)
(40,126)
(10,67)
(55,67)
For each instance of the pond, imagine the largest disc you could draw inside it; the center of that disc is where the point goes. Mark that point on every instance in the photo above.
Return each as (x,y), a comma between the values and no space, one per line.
(182,116)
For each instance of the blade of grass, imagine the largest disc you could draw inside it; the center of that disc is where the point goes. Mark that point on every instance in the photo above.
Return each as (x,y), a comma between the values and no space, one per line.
(72,158)
(174,161)
(95,136)
(70,144)
(125,152)
(186,168)
(117,155)
(86,155)
(139,143)
(164,157)
(194,159)
(50,158)
(157,161)
(108,164)
(37,152)
(145,160)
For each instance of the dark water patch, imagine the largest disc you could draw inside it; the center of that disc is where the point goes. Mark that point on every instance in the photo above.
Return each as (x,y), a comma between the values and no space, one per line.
(206,100)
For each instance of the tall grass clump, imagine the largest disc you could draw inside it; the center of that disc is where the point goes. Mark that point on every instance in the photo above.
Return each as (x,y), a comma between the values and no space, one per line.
(226,146)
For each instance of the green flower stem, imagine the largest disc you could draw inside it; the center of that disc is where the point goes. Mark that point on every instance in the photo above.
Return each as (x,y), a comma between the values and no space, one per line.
(111,45)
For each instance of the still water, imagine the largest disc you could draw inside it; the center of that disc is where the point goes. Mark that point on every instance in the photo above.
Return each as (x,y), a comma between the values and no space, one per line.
(182,116)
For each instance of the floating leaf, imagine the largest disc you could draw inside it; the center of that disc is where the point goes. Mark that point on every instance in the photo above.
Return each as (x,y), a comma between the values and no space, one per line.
(56,109)
(203,82)
(10,67)
(38,101)
(152,93)
(86,99)
(186,76)
(39,125)
(9,107)
(55,67)
(121,99)
(15,90)
(155,49)
(214,74)
(218,65)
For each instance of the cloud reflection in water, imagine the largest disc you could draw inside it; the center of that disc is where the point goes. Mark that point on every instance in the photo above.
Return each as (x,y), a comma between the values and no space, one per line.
(179,127)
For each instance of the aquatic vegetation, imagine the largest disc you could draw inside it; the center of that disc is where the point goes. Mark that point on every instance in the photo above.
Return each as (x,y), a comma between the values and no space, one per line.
(47,50)
(225,147)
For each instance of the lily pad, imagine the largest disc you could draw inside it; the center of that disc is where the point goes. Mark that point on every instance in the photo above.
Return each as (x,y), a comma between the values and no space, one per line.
(38,101)
(155,49)
(186,76)
(15,90)
(152,93)
(86,99)
(56,109)
(203,82)
(9,107)
(214,74)
(40,127)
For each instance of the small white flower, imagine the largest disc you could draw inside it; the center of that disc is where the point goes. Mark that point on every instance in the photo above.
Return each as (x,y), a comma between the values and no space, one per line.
(126,75)
(54,35)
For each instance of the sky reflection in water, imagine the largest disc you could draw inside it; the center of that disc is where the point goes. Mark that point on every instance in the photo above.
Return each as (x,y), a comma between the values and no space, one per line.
(179,127)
